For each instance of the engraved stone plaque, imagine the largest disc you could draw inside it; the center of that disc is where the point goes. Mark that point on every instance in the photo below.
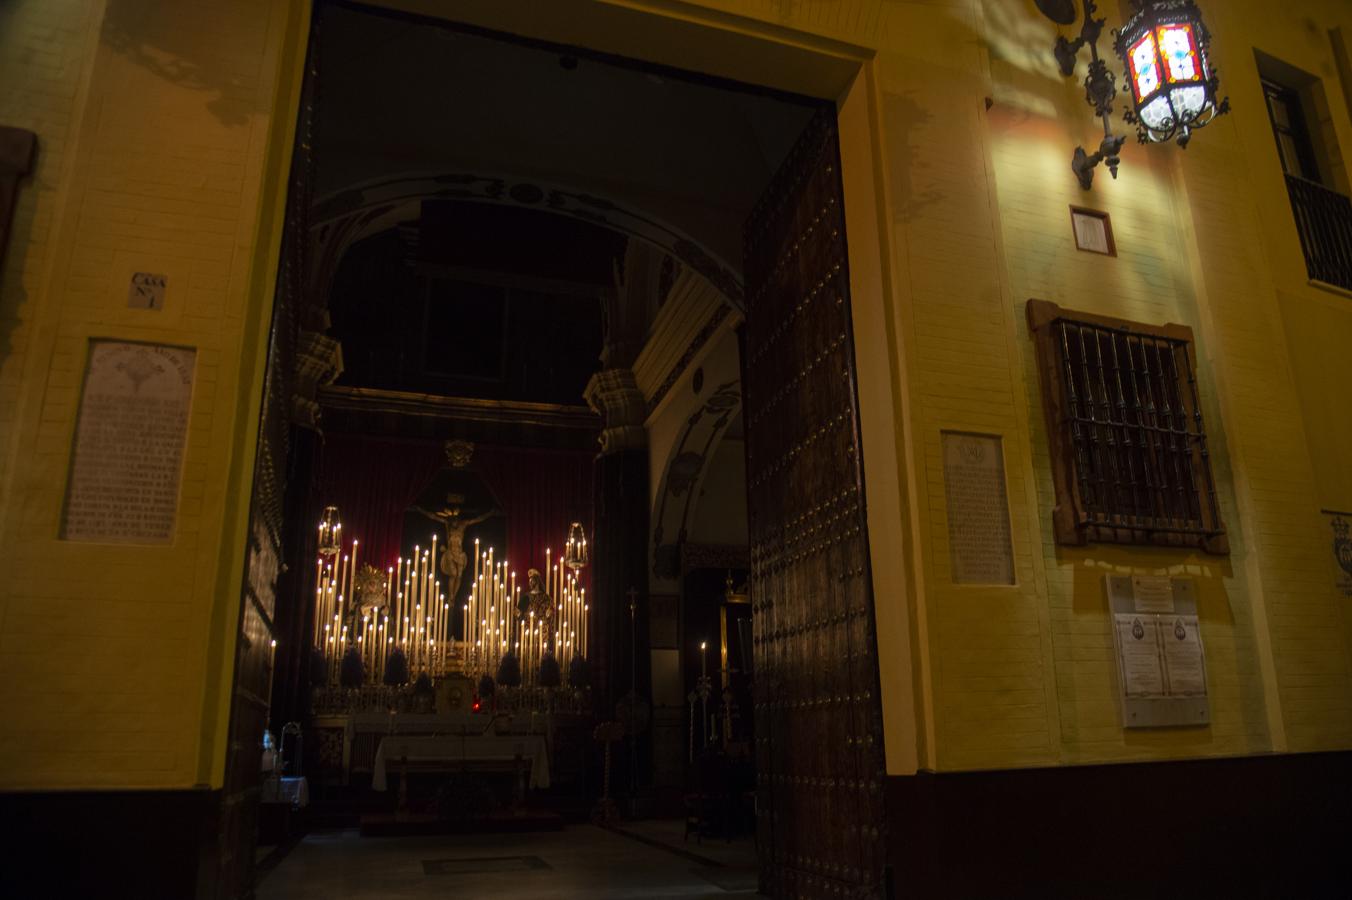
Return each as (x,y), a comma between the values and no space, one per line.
(979,543)
(129,439)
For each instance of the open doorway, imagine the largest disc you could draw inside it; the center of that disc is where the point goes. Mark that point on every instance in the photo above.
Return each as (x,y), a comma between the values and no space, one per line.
(502,256)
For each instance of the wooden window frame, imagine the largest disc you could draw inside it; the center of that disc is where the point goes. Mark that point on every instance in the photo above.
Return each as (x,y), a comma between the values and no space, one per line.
(1107,230)
(1298,130)
(1078,520)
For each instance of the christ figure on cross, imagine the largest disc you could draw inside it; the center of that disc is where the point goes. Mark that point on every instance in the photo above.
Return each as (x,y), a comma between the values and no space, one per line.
(453,556)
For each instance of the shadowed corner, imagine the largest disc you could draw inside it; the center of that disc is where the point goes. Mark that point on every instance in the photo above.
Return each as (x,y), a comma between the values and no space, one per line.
(18,168)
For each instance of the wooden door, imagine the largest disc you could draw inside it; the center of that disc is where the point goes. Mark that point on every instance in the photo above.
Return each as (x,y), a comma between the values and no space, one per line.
(819,740)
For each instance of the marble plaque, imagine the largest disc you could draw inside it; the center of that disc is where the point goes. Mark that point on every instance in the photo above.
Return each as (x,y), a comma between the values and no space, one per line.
(1161,665)
(128,456)
(979,544)
(1153,593)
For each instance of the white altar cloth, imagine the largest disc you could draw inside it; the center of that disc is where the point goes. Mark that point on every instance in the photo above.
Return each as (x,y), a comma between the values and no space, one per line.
(448,750)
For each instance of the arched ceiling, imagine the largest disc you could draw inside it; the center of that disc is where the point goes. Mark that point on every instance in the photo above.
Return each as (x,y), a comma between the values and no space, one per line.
(405,95)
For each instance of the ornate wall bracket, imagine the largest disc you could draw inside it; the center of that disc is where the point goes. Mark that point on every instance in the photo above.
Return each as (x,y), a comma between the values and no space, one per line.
(1100,87)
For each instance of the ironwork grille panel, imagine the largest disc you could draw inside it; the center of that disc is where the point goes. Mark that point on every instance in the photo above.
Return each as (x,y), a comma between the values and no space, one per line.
(1136,430)
(1324,222)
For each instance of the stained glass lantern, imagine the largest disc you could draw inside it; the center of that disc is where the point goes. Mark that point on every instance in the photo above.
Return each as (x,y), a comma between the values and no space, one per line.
(576,555)
(330,532)
(1163,47)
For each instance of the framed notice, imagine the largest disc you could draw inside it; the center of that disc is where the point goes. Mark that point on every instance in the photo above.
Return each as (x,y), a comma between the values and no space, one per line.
(979,544)
(127,461)
(1161,664)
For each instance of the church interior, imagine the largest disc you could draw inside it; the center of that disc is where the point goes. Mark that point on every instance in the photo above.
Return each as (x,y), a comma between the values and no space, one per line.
(675,449)
(515,594)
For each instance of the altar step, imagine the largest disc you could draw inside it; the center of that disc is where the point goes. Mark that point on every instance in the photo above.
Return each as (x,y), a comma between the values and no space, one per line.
(403,825)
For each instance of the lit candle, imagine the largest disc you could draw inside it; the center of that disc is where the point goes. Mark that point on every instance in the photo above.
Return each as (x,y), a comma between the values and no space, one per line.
(350,591)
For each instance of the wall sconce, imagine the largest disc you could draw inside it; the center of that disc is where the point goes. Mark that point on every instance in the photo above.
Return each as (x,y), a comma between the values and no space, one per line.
(1163,48)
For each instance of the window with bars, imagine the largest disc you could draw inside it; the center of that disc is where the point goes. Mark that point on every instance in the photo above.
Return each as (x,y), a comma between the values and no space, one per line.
(1129,447)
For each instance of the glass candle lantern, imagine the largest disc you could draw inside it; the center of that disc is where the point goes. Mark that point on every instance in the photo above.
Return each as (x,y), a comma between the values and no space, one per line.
(330,532)
(1163,47)
(576,554)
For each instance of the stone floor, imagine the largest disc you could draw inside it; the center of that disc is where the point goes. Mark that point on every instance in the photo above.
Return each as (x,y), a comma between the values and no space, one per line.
(650,861)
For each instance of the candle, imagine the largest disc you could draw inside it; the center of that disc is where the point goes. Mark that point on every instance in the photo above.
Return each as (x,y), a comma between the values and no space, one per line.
(703,659)
(351,592)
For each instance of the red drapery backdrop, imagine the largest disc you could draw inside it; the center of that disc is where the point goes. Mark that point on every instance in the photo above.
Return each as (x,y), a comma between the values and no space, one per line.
(373,482)
(542,492)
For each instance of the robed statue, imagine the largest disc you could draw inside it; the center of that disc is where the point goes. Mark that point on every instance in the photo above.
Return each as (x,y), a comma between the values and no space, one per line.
(453,555)
(536,600)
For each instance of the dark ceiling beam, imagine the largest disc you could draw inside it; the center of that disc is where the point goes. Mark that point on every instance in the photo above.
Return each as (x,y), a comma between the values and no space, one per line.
(429,416)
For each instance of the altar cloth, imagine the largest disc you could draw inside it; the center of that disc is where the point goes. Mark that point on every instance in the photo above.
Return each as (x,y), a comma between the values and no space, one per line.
(451,749)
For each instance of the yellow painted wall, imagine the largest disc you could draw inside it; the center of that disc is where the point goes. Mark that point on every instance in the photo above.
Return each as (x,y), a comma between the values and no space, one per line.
(169,157)
(154,123)
(979,224)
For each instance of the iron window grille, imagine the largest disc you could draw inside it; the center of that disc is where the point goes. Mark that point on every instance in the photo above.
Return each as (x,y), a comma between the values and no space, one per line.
(1129,450)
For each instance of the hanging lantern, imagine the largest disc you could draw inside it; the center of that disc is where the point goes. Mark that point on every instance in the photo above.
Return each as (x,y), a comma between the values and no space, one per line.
(1173,85)
(575,554)
(330,532)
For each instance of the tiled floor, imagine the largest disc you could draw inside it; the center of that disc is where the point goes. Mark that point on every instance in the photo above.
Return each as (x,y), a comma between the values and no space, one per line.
(581,861)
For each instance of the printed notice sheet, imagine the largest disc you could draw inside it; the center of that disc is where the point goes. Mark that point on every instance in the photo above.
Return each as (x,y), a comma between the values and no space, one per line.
(1161,656)
(1185,671)
(1142,668)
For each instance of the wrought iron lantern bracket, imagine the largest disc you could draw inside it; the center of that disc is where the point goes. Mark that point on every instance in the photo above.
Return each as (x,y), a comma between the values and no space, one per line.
(1173,87)
(1100,90)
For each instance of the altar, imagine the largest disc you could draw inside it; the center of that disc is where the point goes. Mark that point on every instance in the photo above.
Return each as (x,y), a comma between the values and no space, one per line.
(356,739)
(526,754)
